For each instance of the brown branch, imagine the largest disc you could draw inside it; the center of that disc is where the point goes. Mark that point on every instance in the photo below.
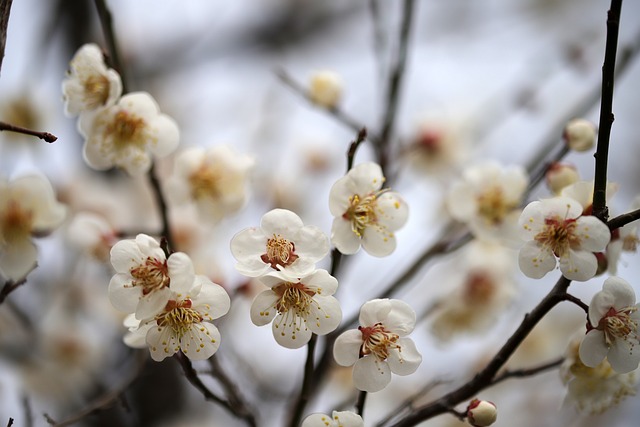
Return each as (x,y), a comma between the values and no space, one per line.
(362,398)
(46,136)
(233,393)
(522,373)
(305,392)
(162,207)
(624,219)
(600,209)
(5,10)
(12,285)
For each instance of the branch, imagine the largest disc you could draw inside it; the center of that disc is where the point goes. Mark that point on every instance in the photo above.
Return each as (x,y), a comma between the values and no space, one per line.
(362,398)
(5,10)
(600,209)
(192,377)
(522,373)
(46,136)
(233,394)
(10,423)
(487,376)
(11,285)
(106,22)
(162,207)
(305,393)
(624,219)
(353,148)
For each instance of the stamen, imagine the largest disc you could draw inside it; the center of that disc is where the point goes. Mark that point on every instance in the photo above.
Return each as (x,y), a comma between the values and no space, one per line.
(362,211)
(492,205)
(280,252)
(377,341)
(151,276)
(618,324)
(558,235)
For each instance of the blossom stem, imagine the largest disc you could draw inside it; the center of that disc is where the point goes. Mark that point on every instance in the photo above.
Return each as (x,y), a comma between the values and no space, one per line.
(624,219)
(362,397)
(577,301)
(353,148)
(106,21)
(305,392)
(162,207)
(600,209)
(45,136)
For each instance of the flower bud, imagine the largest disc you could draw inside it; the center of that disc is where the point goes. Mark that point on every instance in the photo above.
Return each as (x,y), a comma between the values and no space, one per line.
(481,413)
(560,175)
(325,89)
(580,134)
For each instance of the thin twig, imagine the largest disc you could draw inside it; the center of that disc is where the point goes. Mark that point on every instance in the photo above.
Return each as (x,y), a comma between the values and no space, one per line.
(362,398)
(5,10)
(600,209)
(114,59)
(194,379)
(233,393)
(12,285)
(10,423)
(305,392)
(577,301)
(162,207)
(521,373)
(45,136)
(408,403)
(353,148)
(624,219)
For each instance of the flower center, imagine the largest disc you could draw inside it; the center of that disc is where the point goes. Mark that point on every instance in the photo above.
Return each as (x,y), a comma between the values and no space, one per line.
(126,129)
(151,276)
(179,316)
(558,235)
(630,243)
(16,223)
(362,212)
(479,287)
(96,89)
(294,296)
(492,205)
(205,183)
(280,252)
(377,341)
(618,324)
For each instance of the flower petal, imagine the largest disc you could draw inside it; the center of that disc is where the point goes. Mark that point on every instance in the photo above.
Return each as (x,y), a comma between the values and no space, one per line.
(181,272)
(370,374)
(343,237)
(406,360)
(346,349)
(621,291)
(324,315)
(392,211)
(378,241)
(535,261)
(375,311)
(579,265)
(290,331)
(122,294)
(401,319)
(162,343)
(282,222)
(593,348)
(263,308)
(152,303)
(594,234)
(201,341)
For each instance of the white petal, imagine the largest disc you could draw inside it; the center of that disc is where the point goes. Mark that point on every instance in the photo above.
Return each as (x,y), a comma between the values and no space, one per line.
(165,135)
(600,304)
(181,272)
(406,360)
(312,243)
(594,234)
(201,341)
(371,375)
(622,292)
(593,348)
(162,343)
(378,241)
(290,331)
(346,349)
(263,308)
(282,222)
(347,419)
(212,301)
(375,311)
(152,303)
(579,265)
(247,246)
(563,207)
(339,197)
(321,282)
(535,261)
(325,315)
(94,157)
(17,259)
(365,178)
(461,201)
(392,211)
(343,237)
(317,420)
(531,221)
(624,355)
(122,294)
(401,319)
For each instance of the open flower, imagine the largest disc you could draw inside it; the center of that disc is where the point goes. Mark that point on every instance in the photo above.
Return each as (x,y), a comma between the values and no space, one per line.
(282,244)
(90,85)
(214,180)
(145,278)
(613,327)
(298,308)
(337,419)
(183,324)
(556,228)
(379,347)
(126,133)
(28,208)
(92,234)
(365,213)
(488,198)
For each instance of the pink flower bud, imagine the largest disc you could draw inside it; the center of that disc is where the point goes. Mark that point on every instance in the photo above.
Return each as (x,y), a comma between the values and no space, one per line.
(580,134)
(561,175)
(481,413)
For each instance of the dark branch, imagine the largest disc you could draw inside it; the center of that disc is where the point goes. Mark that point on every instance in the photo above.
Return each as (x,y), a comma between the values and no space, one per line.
(194,379)
(353,148)
(46,136)
(5,10)
(233,393)
(522,373)
(162,208)
(362,398)
(305,392)
(114,59)
(624,219)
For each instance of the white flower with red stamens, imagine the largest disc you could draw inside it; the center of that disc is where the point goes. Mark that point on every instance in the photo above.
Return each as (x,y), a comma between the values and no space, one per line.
(379,347)
(488,199)
(145,278)
(125,134)
(556,228)
(28,208)
(183,324)
(214,180)
(613,327)
(298,307)
(337,419)
(90,85)
(365,214)
(282,245)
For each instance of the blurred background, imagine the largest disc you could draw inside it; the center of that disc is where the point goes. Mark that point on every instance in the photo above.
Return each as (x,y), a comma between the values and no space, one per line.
(500,78)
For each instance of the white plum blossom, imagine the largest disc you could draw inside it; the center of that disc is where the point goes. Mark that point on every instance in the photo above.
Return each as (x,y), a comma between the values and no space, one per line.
(580,134)
(28,208)
(613,327)
(325,89)
(145,278)
(282,245)
(582,192)
(379,346)
(337,419)
(298,308)
(487,198)
(92,234)
(560,175)
(365,214)
(90,85)
(215,180)
(183,324)
(555,228)
(593,390)
(125,134)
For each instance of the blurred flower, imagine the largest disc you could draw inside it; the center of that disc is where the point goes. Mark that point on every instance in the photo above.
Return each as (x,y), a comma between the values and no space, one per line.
(92,234)
(365,214)
(28,208)
(613,327)
(623,239)
(124,134)
(593,389)
(214,180)
(282,245)
(481,413)
(379,347)
(580,134)
(325,89)
(582,192)
(560,175)
(183,324)
(298,308)
(90,85)
(555,228)
(488,198)
(337,419)
(145,278)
